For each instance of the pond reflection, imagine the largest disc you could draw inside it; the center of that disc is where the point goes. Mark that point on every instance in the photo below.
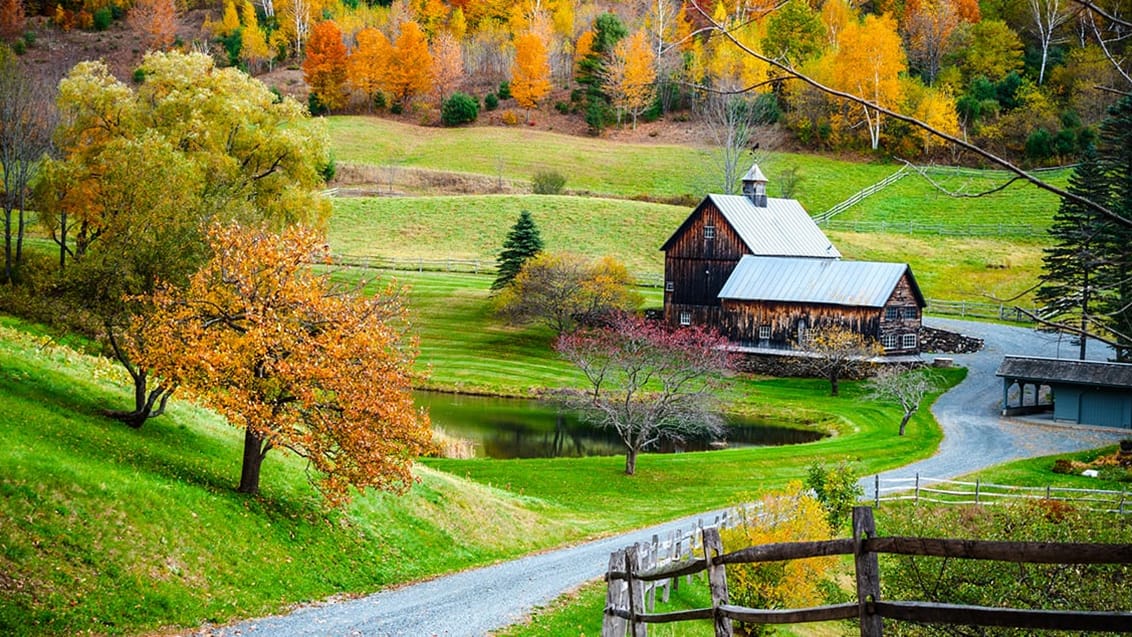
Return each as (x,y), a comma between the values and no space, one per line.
(519,428)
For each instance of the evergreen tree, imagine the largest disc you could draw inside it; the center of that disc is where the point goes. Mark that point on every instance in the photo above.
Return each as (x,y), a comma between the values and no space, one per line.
(522,243)
(1115,149)
(592,69)
(1071,265)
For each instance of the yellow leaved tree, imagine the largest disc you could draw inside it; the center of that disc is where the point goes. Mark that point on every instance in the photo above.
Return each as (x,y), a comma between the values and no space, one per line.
(868,63)
(530,77)
(631,75)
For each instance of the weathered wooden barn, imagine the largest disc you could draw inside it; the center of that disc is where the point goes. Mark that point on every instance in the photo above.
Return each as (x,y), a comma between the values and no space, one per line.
(771,302)
(1082,392)
(782,276)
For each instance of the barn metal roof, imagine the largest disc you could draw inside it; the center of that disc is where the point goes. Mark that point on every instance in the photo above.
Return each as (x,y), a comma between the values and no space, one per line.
(1074,372)
(825,281)
(754,174)
(782,228)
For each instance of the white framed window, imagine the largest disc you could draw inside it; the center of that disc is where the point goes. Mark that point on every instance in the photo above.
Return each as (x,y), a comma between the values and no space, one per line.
(709,231)
(764,332)
(891,313)
(909,341)
(669,286)
(888,341)
(911,312)
(685,318)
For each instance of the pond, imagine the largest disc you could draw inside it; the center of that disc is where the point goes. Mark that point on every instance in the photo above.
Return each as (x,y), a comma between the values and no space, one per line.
(478,426)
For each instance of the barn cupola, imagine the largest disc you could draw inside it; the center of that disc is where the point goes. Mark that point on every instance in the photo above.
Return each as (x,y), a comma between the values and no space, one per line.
(754,186)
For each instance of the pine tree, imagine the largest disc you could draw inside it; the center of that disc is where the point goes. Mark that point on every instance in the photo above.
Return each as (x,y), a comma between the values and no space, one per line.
(1115,150)
(1070,266)
(522,243)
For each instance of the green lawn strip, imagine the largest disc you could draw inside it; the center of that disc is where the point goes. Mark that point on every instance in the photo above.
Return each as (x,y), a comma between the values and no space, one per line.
(474,226)
(588,163)
(916,200)
(1038,472)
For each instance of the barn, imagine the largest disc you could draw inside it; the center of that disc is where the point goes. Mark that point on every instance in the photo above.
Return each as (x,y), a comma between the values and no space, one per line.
(760,270)
(1082,392)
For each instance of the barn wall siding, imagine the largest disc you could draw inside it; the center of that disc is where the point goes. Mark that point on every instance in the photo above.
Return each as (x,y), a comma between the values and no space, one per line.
(741,320)
(696,266)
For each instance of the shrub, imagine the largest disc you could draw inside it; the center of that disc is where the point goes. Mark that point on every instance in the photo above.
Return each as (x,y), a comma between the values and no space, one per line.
(396,109)
(547,182)
(490,101)
(836,489)
(139,75)
(19,47)
(504,90)
(460,108)
(1063,466)
(510,118)
(329,169)
(562,107)
(315,105)
(102,19)
(787,516)
(29,38)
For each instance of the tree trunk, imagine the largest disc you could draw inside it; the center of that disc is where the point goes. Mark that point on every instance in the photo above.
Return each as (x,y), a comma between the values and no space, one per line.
(255,448)
(630,461)
(904,421)
(833,383)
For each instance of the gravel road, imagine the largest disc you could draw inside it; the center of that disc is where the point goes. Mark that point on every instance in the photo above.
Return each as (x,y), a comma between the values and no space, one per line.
(479,601)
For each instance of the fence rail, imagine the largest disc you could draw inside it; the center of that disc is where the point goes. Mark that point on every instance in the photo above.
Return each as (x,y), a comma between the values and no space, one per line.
(626,611)
(467,266)
(861,194)
(941,491)
(976,309)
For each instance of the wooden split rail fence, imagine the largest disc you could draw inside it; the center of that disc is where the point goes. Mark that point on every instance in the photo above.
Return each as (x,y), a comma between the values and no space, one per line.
(631,572)
(941,491)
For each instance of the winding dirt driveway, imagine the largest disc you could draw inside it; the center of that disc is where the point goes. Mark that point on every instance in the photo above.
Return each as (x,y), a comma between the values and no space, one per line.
(478,601)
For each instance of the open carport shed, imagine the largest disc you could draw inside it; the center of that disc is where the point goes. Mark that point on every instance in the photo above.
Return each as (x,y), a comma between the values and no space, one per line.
(1083,392)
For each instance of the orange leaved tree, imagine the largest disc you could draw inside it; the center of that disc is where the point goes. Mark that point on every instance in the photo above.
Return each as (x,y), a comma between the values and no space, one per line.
(324,69)
(295,361)
(410,69)
(530,78)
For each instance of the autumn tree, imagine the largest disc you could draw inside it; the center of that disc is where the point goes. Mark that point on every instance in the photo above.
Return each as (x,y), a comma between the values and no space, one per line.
(27,119)
(13,19)
(564,290)
(868,63)
(834,351)
(794,33)
(254,49)
(1047,18)
(293,360)
(366,66)
(645,382)
(448,65)
(928,27)
(294,18)
(632,75)
(324,68)
(410,74)
(790,515)
(156,20)
(142,172)
(906,388)
(530,77)
(591,69)
(992,50)
(523,242)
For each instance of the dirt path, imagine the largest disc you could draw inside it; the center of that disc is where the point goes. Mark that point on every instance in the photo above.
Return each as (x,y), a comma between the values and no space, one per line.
(479,601)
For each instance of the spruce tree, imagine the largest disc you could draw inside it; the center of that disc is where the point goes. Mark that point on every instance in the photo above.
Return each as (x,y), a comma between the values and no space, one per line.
(1070,266)
(522,243)
(1115,150)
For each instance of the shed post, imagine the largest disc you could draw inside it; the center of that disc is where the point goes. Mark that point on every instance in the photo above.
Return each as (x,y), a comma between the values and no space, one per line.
(633,562)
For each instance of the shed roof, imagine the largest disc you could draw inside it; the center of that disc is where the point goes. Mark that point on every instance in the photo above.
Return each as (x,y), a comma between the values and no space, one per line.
(754,174)
(825,281)
(782,228)
(1071,372)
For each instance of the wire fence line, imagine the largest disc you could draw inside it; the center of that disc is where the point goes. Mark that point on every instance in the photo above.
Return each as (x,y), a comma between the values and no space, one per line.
(942,491)
(460,265)
(938,229)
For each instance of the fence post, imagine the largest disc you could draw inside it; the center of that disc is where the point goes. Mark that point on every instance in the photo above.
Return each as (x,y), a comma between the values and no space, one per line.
(876,490)
(976,490)
(868,573)
(917,498)
(636,591)
(615,596)
(677,555)
(717,579)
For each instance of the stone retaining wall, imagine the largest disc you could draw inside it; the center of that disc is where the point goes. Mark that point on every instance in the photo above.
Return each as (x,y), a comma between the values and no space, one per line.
(942,341)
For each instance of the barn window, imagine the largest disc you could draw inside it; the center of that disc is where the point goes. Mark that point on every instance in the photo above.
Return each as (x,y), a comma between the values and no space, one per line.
(911,312)
(685,318)
(909,341)
(764,332)
(892,313)
(669,286)
(709,231)
(888,341)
